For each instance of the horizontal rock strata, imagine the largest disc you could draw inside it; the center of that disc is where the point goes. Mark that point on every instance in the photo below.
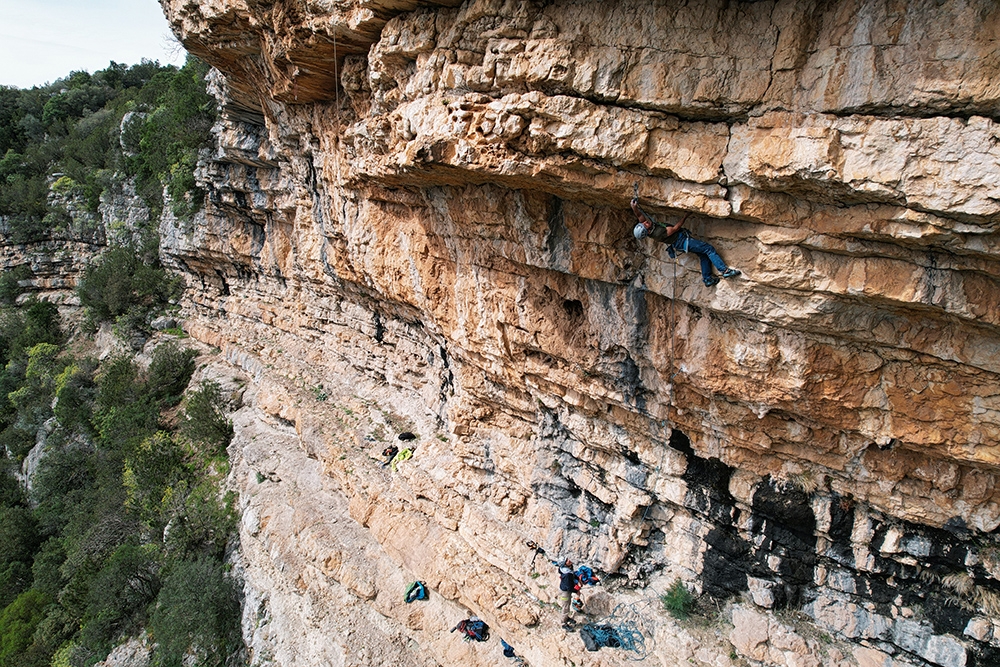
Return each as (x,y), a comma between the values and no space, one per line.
(447,232)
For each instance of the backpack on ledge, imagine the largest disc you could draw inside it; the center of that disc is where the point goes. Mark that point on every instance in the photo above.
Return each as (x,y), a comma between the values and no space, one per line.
(477,630)
(416,591)
(587,576)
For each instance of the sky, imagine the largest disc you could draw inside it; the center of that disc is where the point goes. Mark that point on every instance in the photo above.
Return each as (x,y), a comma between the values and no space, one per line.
(45,40)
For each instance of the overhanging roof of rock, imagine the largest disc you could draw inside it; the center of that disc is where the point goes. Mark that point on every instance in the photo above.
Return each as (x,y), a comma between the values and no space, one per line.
(289,50)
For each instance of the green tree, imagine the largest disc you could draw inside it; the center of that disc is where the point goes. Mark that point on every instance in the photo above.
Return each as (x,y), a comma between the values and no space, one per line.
(76,390)
(151,470)
(41,325)
(198,610)
(169,372)
(119,594)
(127,283)
(204,419)
(17,625)
(33,399)
(10,283)
(179,123)
(18,541)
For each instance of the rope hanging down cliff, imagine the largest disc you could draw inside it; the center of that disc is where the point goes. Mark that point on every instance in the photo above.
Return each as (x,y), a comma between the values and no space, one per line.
(671,323)
(338,199)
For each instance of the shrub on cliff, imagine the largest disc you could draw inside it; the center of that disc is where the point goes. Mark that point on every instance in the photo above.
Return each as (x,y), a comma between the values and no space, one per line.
(124,414)
(18,541)
(204,420)
(33,399)
(179,122)
(18,622)
(75,393)
(10,283)
(678,600)
(169,372)
(197,610)
(127,285)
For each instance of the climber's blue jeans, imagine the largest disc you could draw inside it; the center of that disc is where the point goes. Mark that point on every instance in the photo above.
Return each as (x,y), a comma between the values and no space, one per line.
(706,253)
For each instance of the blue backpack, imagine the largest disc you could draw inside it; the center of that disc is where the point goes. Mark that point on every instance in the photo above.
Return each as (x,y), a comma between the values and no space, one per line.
(587,576)
(416,591)
(477,630)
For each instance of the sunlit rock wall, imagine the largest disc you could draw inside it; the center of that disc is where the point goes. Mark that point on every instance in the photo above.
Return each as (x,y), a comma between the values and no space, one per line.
(418,220)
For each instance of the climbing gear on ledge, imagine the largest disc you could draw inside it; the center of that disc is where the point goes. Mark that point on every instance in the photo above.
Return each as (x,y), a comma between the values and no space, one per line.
(587,576)
(596,636)
(403,455)
(531,544)
(730,273)
(473,629)
(416,591)
(389,453)
(629,625)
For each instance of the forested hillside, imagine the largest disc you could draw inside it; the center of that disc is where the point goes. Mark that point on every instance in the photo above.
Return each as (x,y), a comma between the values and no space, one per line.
(111,518)
(68,139)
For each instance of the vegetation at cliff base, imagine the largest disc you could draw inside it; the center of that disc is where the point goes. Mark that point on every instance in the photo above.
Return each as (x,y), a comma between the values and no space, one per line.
(127,285)
(124,527)
(112,520)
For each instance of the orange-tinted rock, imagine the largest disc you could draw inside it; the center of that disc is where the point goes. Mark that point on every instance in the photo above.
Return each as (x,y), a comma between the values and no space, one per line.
(453,243)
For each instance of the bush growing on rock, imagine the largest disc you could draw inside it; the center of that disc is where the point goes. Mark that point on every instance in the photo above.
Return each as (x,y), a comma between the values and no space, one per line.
(18,622)
(198,609)
(127,285)
(169,372)
(204,420)
(10,283)
(678,600)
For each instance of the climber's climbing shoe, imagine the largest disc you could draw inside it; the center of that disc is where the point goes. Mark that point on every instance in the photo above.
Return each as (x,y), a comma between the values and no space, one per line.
(730,273)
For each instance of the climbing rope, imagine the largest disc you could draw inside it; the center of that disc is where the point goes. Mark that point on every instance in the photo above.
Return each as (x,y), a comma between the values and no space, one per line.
(673,366)
(673,371)
(627,628)
(336,93)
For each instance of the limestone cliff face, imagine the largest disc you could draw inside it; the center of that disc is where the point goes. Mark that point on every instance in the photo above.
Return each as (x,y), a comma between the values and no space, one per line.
(418,220)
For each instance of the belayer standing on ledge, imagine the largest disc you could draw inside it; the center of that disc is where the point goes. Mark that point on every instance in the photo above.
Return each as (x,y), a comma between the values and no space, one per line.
(678,240)
(568,585)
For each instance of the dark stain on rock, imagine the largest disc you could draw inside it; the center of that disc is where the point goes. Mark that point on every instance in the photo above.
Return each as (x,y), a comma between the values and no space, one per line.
(558,243)
(784,526)
(727,555)
(630,383)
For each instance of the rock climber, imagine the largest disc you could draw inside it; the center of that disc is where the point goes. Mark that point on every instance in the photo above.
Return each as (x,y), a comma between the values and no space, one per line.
(568,584)
(679,240)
